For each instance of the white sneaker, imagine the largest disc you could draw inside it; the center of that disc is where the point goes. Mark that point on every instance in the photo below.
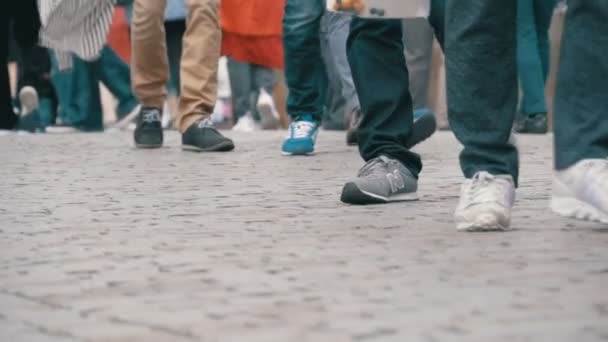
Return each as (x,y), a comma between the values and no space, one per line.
(269,114)
(581,191)
(28,97)
(245,124)
(485,203)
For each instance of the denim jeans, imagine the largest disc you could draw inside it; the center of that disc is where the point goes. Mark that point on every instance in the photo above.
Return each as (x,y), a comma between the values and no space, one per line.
(533,20)
(481,71)
(581,107)
(303,62)
(114,73)
(375,54)
(78,95)
(78,89)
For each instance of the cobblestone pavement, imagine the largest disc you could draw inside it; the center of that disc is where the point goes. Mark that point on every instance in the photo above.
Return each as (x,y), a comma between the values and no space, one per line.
(102,242)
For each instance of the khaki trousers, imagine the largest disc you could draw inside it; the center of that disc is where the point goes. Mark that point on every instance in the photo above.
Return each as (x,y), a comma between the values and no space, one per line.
(199,63)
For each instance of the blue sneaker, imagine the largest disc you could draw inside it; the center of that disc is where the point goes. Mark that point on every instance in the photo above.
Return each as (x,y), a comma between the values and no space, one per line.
(301,137)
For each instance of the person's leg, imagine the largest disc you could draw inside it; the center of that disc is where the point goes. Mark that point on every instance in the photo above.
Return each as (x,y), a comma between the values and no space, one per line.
(149,66)
(264,81)
(375,54)
(303,60)
(241,87)
(149,70)
(581,108)
(334,109)
(543,10)
(480,35)
(62,83)
(199,65)
(437,20)
(198,76)
(529,60)
(114,73)
(482,100)
(263,78)
(418,42)
(580,188)
(304,74)
(338,71)
(174,40)
(85,99)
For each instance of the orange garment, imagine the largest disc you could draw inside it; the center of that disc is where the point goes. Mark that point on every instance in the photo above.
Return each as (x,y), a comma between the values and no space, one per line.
(252,31)
(119,38)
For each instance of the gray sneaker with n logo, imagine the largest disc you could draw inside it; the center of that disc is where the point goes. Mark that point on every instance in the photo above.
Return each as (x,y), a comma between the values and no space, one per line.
(381,180)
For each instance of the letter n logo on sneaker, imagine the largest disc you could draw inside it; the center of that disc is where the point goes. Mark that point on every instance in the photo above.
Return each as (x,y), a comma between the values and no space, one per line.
(395,180)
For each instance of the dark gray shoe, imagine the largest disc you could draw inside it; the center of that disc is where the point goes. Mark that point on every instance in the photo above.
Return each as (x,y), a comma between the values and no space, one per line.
(532,124)
(202,137)
(381,180)
(148,132)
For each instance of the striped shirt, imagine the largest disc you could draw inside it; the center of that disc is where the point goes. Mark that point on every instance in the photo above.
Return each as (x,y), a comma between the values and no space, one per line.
(75,26)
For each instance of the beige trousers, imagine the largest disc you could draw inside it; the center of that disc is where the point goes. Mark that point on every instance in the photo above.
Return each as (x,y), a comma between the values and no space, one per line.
(199,64)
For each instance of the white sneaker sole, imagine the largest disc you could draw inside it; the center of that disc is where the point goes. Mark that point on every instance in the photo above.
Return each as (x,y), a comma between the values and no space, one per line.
(412,196)
(288,154)
(484,223)
(575,208)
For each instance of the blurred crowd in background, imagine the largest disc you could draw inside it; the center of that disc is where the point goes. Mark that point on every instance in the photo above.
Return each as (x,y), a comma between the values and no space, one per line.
(91,96)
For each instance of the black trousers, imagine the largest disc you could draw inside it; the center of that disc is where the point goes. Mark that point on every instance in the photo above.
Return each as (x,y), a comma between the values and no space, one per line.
(24,19)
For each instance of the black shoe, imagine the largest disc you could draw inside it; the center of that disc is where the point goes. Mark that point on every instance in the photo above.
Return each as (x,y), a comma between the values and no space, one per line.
(352,138)
(201,137)
(537,124)
(148,132)
(532,124)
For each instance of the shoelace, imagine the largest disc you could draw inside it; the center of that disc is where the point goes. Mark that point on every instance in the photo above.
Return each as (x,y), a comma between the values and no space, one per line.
(205,123)
(301,129)
(150,116)
(484,187)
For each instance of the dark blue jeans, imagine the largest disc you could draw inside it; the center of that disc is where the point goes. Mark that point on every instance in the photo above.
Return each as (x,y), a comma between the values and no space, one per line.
(304,71)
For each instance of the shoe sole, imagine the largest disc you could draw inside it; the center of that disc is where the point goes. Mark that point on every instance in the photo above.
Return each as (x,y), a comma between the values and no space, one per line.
(304,154)
(352,194)
(221,147)
(484,223)
(148,146)
(477,227)
(423,129)
(577,209)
